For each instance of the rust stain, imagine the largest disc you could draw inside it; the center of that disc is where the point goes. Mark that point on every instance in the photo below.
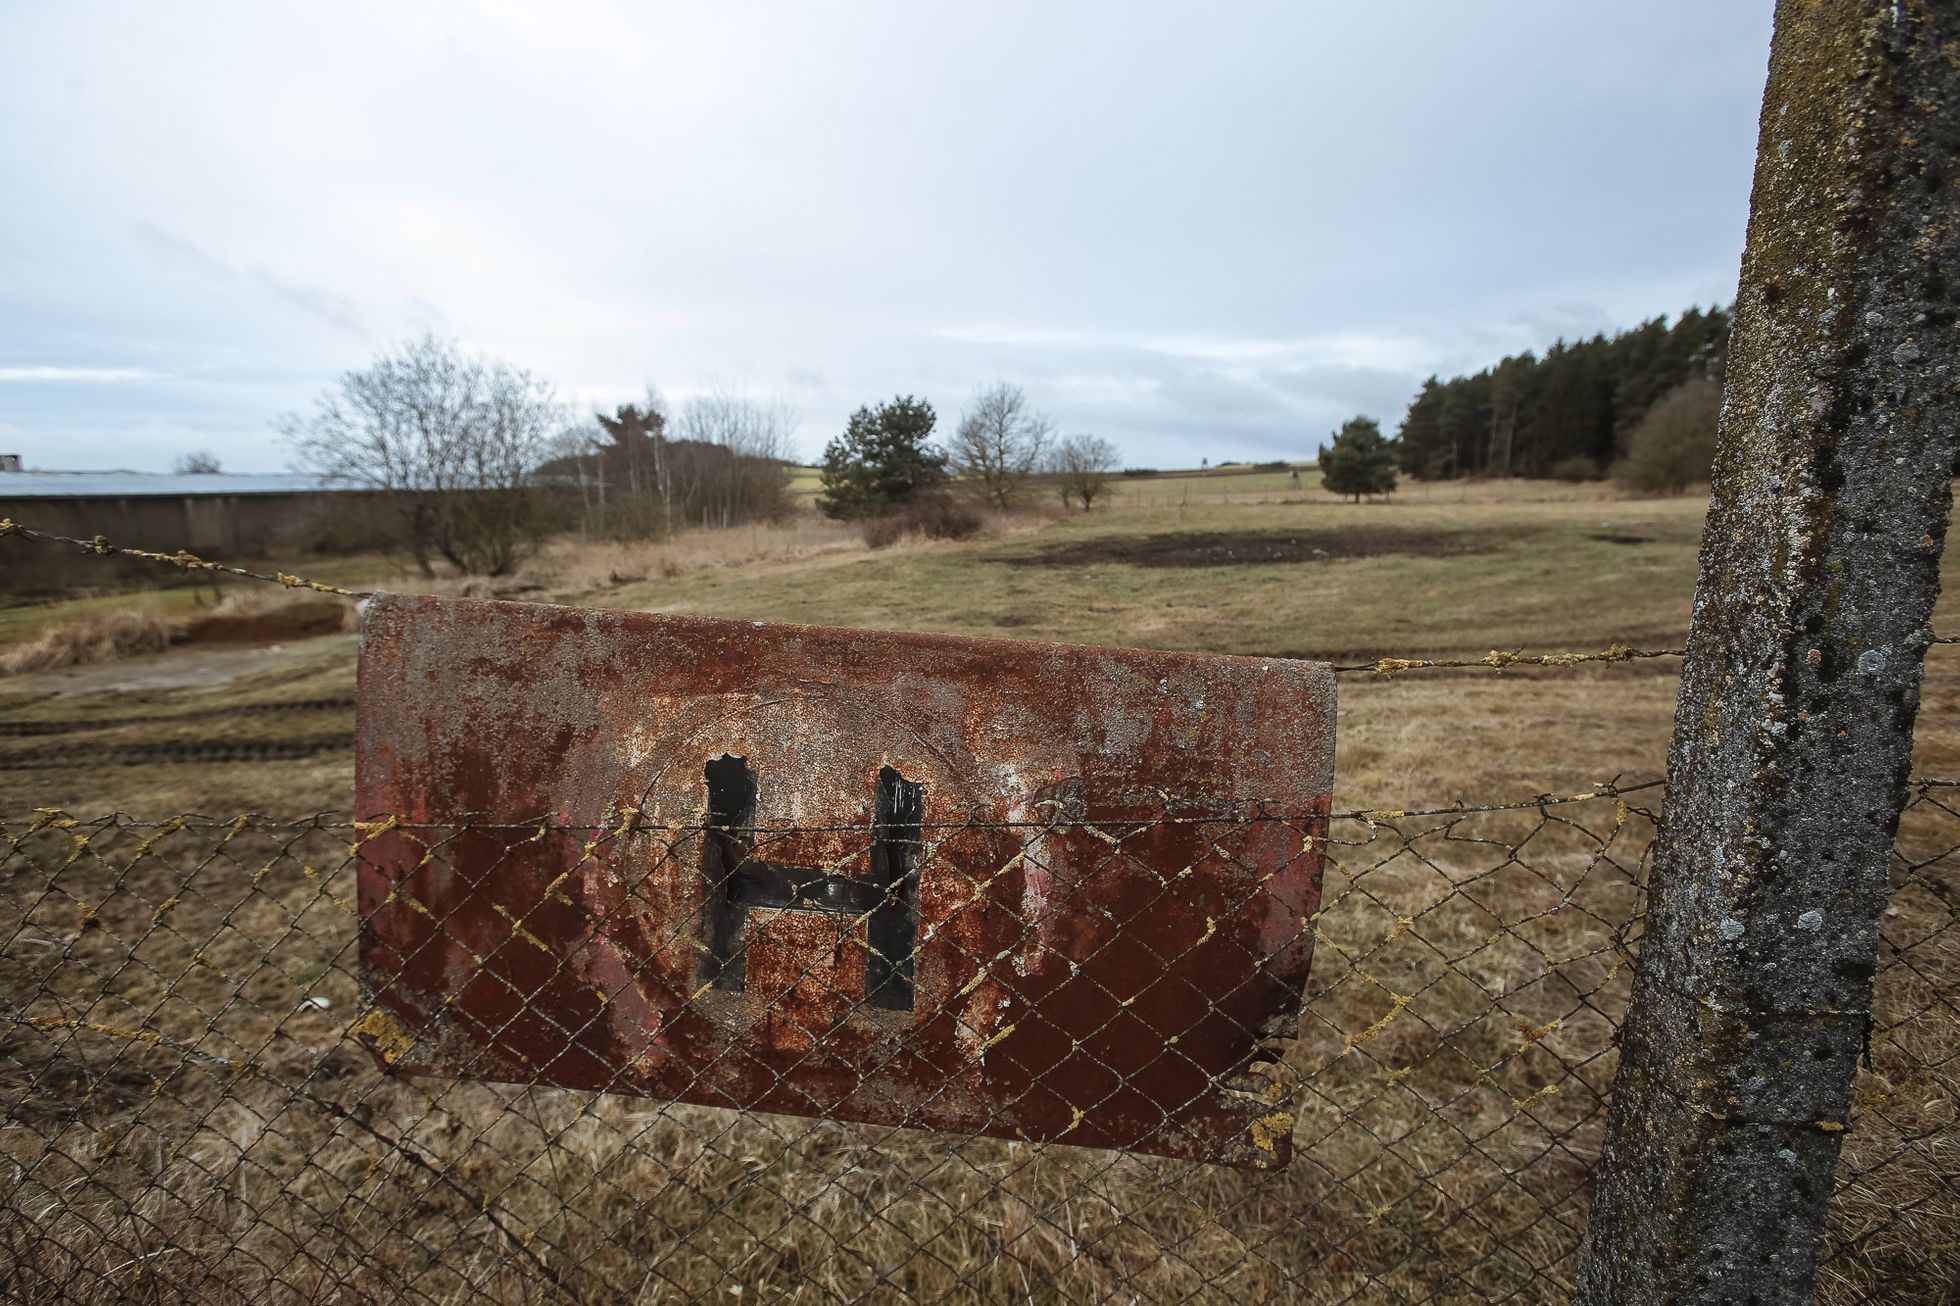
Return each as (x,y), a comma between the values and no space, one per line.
(1033,891)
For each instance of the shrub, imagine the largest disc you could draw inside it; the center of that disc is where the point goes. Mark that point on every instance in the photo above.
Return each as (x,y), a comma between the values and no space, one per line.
(1574,467)
(934,516)
(883,532)
(1673,445)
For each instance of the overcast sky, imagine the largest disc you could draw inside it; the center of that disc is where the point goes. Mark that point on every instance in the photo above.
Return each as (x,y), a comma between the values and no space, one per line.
(1199,230)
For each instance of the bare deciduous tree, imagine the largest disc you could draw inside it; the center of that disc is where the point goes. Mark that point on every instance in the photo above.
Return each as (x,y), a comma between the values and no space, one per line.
(575,463)
(999,443)
(198,462)
(447,443)
(1082,466)
(730,456)
(720,458)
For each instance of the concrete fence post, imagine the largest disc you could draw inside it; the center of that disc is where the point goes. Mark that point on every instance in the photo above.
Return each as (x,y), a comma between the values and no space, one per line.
(1793,731)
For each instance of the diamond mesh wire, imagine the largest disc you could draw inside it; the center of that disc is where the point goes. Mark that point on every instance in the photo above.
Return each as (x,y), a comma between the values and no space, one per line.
(190,1115)
(194,1109)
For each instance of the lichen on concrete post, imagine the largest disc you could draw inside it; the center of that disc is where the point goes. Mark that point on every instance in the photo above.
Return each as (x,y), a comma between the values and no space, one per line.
(1793,732)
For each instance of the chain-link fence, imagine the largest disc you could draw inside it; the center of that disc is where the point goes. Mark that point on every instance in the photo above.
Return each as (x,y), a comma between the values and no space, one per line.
(260,1059)
(1897,1206)
(196,1104)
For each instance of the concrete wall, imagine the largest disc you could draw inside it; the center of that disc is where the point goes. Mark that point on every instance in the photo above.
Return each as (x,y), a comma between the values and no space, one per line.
(222,527)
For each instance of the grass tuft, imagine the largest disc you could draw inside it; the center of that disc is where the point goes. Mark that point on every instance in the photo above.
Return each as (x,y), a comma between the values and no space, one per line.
(97,637)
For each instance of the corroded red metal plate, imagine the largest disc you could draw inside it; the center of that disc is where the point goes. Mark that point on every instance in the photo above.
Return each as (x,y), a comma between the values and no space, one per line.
(1044,892)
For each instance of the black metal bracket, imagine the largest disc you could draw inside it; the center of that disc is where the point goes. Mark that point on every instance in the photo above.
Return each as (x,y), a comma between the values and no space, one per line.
(734,880)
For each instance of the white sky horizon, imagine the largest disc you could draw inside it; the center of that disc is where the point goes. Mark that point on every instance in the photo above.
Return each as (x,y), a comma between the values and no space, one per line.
(1209,236)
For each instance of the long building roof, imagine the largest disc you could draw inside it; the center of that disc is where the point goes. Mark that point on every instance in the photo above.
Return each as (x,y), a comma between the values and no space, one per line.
(85,485)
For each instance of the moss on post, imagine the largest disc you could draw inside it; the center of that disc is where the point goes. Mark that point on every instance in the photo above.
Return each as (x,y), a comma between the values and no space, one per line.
(1793,733)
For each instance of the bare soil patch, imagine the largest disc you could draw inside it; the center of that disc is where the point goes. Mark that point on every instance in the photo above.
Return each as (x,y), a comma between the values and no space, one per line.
(1244,548)
(301,618)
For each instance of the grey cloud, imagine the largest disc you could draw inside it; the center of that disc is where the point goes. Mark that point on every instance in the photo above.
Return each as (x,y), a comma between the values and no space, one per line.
(335,310)
(1198,232)
(178,251)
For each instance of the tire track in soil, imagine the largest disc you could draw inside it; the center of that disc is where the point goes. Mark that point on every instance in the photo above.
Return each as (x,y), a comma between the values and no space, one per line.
(178,750)
(36,729)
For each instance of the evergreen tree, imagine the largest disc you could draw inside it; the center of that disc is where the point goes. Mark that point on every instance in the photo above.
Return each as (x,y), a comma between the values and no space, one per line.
(1646,366)
(1361,460)
(1421,434)
(1466,424)
(1514,391)
(882,460)
(1580,402)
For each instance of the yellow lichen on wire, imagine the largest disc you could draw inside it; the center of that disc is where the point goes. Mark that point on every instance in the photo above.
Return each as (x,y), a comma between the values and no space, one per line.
(1501,659)
(147,1037)
(1397,1004)
(182,559)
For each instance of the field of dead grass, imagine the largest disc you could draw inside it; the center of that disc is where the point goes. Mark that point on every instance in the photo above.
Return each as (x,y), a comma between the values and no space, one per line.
(1457,1038)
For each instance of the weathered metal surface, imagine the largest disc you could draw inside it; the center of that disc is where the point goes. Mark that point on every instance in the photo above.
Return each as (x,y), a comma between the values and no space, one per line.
(1032,891)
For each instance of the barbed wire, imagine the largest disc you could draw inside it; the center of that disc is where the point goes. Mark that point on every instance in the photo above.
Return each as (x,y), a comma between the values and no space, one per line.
(1501,660)
(183,559)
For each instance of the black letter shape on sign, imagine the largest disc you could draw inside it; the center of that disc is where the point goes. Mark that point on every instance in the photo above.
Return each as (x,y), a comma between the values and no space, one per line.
(736,880)
(731,803)
(894,927)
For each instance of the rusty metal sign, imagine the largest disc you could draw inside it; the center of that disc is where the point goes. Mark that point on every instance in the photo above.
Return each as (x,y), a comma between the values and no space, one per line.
(1033,891)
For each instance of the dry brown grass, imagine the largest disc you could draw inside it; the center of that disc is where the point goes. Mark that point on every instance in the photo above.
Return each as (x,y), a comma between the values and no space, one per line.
(98,637)
(570,570)
(1458,1030)
(167,1165)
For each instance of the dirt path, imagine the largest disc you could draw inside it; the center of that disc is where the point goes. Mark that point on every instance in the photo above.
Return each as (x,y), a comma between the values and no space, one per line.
(191,668)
